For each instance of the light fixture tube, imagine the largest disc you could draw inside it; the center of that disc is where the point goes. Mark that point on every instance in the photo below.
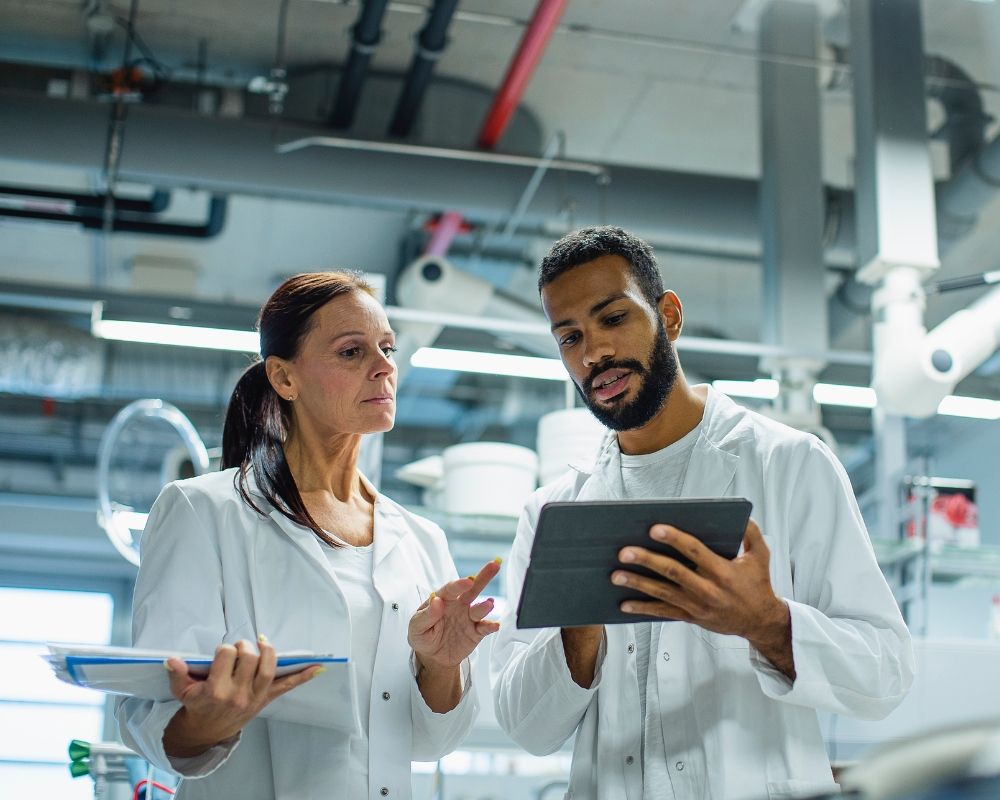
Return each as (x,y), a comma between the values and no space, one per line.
(176,335)
(759,389)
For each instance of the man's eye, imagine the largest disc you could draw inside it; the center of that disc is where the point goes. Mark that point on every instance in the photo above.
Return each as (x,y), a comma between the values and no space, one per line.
(615,319)
(568,340)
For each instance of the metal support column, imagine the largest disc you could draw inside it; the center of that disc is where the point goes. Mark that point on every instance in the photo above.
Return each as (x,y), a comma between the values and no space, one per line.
(792,202)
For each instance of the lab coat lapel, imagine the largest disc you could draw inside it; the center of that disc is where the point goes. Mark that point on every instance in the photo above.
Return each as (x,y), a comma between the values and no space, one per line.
(305,540)
(713,463)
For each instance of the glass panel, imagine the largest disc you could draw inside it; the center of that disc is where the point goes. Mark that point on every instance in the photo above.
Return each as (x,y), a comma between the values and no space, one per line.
(31,732)
(28,677)
(38,781)
(43,615)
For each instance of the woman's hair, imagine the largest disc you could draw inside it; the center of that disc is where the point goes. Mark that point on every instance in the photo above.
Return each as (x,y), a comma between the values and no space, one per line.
(257,420)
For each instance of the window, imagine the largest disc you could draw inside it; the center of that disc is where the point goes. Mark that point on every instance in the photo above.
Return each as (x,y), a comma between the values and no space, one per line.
(39,714)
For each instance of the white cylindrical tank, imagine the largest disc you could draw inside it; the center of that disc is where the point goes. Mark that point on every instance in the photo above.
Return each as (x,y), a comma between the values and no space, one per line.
(565,437)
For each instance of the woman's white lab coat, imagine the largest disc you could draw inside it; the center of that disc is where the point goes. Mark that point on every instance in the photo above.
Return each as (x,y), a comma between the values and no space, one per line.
(213,571)
(734,727)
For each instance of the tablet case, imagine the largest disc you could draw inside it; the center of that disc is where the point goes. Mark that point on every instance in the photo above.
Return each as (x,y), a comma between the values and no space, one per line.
(568,581)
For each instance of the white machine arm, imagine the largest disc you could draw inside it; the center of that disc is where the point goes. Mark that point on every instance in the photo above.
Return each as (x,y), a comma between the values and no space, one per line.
(915,369)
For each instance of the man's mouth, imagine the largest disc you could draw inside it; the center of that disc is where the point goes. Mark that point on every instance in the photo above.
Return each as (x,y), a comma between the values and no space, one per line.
(610,383)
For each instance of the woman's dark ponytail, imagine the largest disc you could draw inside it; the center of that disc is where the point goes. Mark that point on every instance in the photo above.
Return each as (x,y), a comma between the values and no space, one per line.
(257,418)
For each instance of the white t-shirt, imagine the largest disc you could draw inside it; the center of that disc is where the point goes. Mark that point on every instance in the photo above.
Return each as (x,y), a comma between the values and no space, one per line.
(658,475)
(353,567)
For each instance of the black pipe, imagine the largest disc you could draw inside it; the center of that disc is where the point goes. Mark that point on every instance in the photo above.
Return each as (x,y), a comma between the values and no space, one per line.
(157,202)
(125,222)
(430,44)
(365,36)
(965,120)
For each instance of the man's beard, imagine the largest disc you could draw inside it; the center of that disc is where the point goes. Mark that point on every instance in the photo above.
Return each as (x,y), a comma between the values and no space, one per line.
(656,381)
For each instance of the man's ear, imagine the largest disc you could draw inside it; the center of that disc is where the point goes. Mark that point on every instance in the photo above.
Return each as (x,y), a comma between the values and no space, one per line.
(280,377)
(672,314)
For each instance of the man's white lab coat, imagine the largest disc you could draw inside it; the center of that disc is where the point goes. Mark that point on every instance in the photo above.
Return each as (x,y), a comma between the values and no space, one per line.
(213,571)
(734,727)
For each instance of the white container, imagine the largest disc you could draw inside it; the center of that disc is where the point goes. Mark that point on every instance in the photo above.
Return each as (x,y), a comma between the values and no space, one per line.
(488,478)
(566,437)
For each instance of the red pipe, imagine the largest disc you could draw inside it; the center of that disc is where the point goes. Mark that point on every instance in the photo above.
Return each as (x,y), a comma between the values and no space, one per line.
(536,38)
(445,231)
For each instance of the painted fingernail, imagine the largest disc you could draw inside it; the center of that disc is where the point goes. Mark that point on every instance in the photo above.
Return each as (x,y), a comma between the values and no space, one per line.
(433,595)
(628,555)
(498,560)
(261,637)
(620,579)
(320,671)
(167,667)
(471,578)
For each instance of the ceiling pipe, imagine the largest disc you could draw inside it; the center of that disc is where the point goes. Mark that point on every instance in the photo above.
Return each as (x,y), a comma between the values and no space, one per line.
(529,52)
(431,43)
(157,202)
(123,222)
(365,36)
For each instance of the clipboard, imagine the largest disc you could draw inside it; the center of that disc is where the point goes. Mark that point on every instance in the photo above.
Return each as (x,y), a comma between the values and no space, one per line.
(568,581)
(328,700)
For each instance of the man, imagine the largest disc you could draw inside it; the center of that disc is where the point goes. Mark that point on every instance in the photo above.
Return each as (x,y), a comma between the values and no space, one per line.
(720,704)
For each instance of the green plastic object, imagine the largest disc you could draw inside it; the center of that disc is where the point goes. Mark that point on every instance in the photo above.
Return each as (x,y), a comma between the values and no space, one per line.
(78,769)
(79,750)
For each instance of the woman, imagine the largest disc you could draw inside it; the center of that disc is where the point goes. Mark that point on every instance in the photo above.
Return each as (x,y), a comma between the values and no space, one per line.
(291,548)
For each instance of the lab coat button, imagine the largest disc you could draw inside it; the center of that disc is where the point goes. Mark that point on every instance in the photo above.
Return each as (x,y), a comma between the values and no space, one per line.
(631,647)
(386,695)
(629,760)
(679,765)
(384,791)
(395,606)
(666,656)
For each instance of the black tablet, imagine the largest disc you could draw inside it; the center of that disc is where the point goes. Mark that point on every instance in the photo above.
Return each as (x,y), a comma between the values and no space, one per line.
(576,548)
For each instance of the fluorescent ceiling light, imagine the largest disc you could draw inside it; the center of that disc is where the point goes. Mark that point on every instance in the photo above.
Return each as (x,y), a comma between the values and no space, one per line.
(760,389)
(834,394)
(977,407)
(176,335)
(549,369)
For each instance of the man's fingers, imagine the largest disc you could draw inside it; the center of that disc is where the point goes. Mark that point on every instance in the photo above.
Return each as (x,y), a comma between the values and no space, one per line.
(651,608)
(688,546)
(658,590)
(669,568)
(753,540)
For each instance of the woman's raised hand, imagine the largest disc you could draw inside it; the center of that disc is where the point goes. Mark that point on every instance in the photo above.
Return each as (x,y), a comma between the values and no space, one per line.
(450,623)
(240,682)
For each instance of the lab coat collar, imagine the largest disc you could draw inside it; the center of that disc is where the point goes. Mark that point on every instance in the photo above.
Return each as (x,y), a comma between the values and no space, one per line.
(714,459)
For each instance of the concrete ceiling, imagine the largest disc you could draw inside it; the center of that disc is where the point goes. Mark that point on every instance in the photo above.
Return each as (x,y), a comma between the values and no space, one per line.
(670,84)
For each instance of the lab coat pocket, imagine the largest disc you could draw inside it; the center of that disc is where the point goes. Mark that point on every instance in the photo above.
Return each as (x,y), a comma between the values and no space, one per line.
(801,790)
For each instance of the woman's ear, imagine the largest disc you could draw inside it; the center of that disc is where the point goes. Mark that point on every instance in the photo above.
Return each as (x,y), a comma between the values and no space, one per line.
(280,377)
(672,314)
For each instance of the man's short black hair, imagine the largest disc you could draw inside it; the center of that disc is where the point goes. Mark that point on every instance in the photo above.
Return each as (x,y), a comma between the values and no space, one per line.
(586,244)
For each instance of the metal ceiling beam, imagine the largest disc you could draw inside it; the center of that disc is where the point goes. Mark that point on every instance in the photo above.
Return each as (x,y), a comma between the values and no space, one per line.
(173,148)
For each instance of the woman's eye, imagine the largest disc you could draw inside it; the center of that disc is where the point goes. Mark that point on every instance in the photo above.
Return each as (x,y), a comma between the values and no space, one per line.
(389,349)
(350,352)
